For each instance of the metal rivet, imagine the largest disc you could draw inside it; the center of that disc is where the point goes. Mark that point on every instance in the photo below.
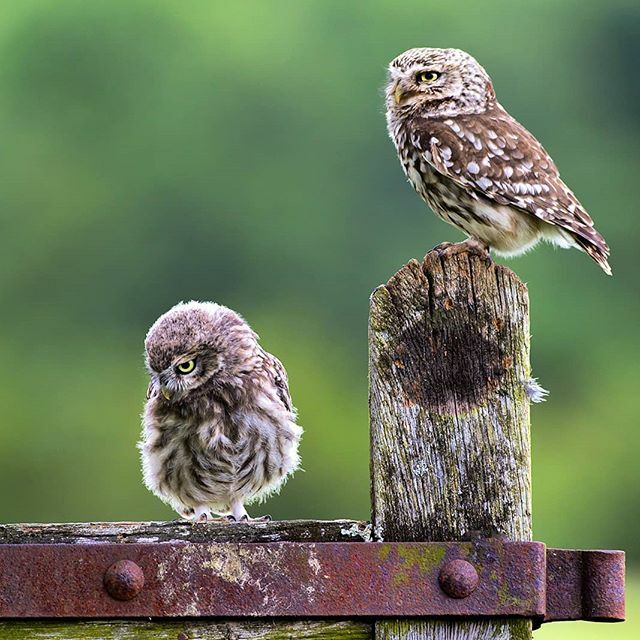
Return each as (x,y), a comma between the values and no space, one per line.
(458,578)
(123,580)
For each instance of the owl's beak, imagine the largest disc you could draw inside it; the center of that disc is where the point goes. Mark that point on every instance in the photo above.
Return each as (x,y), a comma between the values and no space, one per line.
(165,392)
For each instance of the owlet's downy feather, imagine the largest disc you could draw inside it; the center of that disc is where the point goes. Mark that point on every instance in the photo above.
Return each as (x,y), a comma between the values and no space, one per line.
(476,166)
(219,427)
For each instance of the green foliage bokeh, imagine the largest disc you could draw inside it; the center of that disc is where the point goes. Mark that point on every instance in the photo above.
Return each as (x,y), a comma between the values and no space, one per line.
(157,151)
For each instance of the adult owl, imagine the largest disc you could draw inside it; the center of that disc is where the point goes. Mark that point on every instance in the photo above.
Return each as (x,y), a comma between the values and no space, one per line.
(476,166)
(219,427)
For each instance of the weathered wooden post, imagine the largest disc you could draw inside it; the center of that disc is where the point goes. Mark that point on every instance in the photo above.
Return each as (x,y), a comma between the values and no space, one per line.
(450,446)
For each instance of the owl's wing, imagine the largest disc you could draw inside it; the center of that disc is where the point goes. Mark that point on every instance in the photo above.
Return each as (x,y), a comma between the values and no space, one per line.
(277,374)
(493,155)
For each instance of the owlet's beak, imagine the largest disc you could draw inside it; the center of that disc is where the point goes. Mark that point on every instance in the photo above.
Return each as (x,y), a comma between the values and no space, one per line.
(155,387)
(398,93)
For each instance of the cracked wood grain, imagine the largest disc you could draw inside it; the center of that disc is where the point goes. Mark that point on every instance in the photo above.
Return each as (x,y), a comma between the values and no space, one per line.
(449,415)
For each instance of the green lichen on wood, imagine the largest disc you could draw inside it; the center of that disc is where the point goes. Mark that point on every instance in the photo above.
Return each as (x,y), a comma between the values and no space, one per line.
(252,630)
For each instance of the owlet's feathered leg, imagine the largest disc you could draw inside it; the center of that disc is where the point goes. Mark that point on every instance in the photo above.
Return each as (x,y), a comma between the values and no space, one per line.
(202,513)
(239,513)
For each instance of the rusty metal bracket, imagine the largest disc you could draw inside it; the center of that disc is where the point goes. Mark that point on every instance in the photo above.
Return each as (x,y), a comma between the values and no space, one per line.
(373,580)
(585,585)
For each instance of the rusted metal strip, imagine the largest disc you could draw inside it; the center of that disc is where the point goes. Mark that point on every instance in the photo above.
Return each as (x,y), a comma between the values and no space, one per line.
(280,579)
(480,578)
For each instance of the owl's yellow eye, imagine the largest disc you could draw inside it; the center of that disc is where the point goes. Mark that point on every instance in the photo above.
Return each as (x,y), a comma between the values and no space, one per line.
(186,367)
(427,76)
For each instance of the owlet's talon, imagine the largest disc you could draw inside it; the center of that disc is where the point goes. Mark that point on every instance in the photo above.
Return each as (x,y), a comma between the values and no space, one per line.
(199,514)
(248,520)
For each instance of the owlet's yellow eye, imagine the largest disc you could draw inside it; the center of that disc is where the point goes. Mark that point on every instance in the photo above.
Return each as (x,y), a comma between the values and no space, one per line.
(186,367)
(427,76)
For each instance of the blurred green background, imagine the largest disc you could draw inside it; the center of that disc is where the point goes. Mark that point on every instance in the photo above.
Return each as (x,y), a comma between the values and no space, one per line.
(156,151)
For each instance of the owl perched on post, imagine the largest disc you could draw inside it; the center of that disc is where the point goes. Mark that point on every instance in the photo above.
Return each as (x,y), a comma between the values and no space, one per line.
(219,427)
(473,164)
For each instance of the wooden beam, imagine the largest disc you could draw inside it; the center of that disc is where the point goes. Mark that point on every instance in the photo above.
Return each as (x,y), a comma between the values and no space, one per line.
(189,630)
(449,414)
(184,531)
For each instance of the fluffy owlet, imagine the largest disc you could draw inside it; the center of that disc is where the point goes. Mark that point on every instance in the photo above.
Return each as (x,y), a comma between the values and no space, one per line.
(219,428)
(474,165)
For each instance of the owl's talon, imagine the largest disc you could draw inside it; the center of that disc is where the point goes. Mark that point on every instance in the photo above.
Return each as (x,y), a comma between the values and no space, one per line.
(443,246)
(230,518)
(470,245)
(475,244)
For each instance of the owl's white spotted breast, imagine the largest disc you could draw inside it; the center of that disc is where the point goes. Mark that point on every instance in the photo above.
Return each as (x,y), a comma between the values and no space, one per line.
(505,228)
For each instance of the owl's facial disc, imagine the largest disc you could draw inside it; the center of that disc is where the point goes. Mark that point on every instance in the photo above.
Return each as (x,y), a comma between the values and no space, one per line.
(435,82)
(186,373)
(419,83)
(174,380)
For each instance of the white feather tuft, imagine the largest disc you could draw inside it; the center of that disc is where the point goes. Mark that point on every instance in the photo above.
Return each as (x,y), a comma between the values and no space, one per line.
(534,391)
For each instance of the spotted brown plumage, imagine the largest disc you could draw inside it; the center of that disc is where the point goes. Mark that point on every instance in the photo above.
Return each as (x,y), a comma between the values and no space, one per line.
(476,166)
(219,427)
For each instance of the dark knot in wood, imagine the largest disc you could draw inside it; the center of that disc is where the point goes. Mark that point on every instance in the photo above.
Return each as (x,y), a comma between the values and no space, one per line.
(471,366)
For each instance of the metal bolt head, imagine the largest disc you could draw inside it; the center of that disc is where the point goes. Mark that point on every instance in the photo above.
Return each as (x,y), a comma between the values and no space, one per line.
(458,578)
(123,580)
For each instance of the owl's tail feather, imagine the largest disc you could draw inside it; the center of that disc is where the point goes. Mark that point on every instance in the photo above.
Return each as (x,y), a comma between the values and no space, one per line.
(596,246)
